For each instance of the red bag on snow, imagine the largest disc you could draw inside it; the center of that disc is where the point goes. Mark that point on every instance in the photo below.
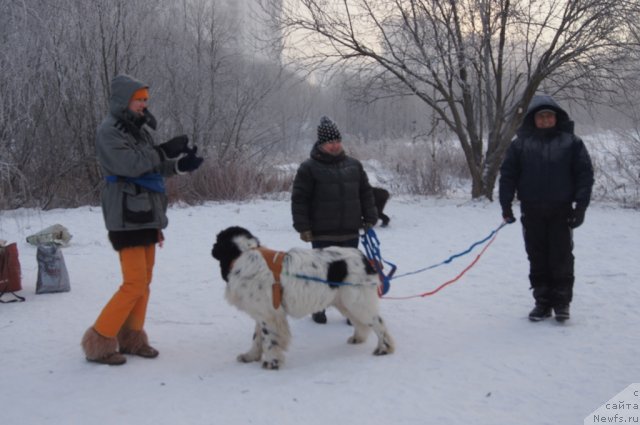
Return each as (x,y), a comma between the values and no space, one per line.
(10,279)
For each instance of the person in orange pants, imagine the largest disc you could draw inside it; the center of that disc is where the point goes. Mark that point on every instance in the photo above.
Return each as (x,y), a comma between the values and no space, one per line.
(134,205)
(129,305)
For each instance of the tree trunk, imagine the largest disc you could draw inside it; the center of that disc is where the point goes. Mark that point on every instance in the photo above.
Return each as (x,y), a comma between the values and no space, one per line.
(477,187)
(490,180)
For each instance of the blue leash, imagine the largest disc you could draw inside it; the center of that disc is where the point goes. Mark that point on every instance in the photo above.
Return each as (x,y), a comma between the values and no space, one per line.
(453,257)
(371,245)
(326,282)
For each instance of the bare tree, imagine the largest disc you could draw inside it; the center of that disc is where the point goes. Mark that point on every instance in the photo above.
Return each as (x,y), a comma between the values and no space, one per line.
(56,64)
(56,61)
(476,63)
(619,168)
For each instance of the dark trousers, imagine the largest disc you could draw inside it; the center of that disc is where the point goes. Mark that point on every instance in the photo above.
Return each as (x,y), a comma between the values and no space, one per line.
(351,243)
(548,240)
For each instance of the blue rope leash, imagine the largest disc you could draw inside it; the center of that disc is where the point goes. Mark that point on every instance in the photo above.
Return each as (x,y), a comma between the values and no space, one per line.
(371,245)
(453,257)
(326,282)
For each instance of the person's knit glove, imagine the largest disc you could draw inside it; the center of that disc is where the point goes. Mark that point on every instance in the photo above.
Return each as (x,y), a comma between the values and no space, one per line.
(174,147)
(577,217)
(507,214)
(306,236)
(190,162)
(149,119)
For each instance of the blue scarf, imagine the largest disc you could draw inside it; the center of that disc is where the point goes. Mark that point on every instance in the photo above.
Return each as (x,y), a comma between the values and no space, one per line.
(151,181)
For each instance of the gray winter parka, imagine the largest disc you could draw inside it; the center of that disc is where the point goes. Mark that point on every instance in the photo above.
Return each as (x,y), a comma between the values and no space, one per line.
(125,148)
(332,197)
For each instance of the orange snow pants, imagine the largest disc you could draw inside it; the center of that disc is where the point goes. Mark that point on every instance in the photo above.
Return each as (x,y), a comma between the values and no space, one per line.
(128,306)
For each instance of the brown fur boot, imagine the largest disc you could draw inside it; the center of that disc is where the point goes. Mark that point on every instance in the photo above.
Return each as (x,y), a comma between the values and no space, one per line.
(100,349)
(136,343)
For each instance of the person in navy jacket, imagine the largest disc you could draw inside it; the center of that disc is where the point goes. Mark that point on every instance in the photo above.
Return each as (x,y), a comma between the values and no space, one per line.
(549,169)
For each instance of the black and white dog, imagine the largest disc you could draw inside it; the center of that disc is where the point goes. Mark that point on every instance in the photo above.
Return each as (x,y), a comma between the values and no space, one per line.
(311,280)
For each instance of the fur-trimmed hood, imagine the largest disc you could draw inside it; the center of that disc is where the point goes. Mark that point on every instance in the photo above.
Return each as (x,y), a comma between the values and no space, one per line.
(538,103)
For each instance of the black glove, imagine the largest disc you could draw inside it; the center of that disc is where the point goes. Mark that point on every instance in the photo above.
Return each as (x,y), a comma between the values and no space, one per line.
(577,217)
(366,226)
(190,162)
(174,147)
(306,236)
(507,214)
(150,120)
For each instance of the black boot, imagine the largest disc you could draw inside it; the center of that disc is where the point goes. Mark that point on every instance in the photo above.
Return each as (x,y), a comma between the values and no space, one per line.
(319,317)
(539,312)
(562,312)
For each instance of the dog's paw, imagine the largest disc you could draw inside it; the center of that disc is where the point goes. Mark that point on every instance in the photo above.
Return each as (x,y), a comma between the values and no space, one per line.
(247,358)
(355,340)
(384,350)
(273,364)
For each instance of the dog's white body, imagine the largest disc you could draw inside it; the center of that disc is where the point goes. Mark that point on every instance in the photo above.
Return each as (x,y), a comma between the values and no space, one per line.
(249,288)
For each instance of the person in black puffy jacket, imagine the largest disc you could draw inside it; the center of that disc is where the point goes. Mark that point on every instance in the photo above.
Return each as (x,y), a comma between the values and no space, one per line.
(550,170)
(331,197)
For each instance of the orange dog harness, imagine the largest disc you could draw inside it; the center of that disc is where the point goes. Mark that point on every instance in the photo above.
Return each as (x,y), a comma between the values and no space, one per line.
(274,260)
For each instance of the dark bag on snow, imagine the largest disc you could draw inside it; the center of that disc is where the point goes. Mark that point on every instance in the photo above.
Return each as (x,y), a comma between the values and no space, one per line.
(10,279)
(52,272)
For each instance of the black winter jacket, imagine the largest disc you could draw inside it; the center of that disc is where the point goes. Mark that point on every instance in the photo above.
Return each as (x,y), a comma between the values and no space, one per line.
(332,196)
(546,167)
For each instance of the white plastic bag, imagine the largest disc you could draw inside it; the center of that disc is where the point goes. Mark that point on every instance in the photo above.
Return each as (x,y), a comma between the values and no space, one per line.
(57,234)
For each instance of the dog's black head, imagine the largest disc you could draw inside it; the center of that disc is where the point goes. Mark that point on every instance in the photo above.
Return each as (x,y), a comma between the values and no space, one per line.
(230,244)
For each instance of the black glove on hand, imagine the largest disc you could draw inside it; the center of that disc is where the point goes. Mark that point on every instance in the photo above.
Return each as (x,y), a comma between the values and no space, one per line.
(577,217)
(150,119)
(190,162)
(174,147)
(507,215)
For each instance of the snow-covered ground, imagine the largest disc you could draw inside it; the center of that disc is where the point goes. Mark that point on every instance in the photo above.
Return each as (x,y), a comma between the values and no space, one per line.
(467,355)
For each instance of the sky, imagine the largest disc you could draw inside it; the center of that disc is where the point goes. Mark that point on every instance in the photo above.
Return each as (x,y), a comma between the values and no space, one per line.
(466,355)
